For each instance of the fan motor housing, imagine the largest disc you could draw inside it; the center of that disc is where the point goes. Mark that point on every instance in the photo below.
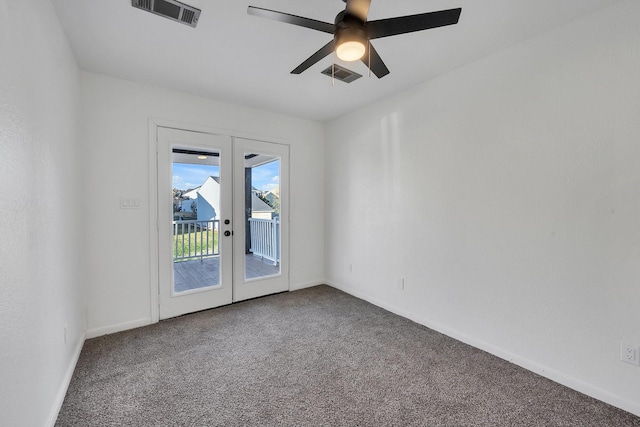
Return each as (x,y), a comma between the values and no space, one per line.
(349,28)
(344,19)
(350,34)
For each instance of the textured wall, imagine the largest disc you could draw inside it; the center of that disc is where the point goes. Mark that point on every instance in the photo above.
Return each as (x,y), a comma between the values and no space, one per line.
(507,195)
(40,252)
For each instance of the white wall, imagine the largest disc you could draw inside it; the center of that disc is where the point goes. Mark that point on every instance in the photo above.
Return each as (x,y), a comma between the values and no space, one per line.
(40,253)
(115,132)
(507,195)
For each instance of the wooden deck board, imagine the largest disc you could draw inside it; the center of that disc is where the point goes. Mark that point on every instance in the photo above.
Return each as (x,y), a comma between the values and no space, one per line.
(199,274)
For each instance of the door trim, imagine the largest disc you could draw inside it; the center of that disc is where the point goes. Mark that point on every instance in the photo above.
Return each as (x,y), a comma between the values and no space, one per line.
(153,125)
(244,288)
(171,302)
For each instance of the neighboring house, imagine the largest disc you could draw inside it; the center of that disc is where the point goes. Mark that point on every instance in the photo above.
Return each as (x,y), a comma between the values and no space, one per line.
(207,198)
(191,194)
(259,209)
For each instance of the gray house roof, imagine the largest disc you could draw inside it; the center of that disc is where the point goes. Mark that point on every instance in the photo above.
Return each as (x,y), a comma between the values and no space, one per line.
(258,205)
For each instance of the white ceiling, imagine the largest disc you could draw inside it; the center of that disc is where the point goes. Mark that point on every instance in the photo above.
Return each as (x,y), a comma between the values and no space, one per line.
(233,57)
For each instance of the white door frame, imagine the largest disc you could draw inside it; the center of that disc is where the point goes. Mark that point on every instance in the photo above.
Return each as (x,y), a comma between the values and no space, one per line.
(154,285)
(243,288)
(174,304)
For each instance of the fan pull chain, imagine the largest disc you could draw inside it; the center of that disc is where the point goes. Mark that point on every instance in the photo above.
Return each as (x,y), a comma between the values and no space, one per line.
(369,53)
(333,72)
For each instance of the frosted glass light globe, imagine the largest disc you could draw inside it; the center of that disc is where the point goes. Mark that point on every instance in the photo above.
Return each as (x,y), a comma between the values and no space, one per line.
(350,50)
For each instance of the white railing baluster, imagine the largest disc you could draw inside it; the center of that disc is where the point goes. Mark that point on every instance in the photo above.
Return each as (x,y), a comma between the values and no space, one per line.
(264,238)
(182,240)
(175,239)
(182,243)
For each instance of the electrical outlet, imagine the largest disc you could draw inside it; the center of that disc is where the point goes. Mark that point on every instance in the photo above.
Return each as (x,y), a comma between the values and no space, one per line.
(630,353)
(401,284)
(350,268)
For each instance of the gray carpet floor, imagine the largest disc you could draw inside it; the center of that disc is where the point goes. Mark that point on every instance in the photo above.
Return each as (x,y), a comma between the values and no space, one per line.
(314,357)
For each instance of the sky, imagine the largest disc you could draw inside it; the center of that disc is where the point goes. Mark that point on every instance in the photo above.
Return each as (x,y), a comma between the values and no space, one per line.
(189,176)
(266,177)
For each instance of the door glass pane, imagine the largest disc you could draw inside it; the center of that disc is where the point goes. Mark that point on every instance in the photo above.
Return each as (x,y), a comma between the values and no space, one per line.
(262,215)
(196,222)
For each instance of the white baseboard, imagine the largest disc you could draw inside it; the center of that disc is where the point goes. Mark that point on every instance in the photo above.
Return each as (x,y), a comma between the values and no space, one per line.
(298,286)
(66,380)
(530,365)
(112,329)
(382,304)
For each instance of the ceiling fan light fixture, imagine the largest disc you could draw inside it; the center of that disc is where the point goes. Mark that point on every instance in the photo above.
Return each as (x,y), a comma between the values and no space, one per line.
(350,50)
(351,44)
(352,31)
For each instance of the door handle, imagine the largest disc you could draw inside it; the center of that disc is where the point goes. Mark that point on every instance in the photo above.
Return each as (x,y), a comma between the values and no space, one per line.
(227,233)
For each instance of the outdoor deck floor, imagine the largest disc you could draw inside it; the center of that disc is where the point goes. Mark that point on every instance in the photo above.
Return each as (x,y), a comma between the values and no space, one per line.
(199,274)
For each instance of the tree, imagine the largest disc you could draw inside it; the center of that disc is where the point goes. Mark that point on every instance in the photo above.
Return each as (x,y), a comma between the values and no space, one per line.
(177,199)
(272,200)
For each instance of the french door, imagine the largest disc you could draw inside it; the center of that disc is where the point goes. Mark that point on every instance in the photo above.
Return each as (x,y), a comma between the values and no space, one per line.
(222,220)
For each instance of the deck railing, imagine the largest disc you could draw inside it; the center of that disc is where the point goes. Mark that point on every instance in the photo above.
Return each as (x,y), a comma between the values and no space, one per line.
(265,238)
(195,239)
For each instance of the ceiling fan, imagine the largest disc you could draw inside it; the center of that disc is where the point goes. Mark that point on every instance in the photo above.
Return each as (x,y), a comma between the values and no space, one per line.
(352,32)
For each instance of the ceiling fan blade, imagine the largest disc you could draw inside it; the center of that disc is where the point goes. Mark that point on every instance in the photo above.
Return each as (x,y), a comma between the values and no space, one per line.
(324,51)
(372,60)
(358,8)
(300,21)
(408,24)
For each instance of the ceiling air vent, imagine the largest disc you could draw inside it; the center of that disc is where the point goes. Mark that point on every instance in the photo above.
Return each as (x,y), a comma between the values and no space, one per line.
(170,9)
(341,73)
